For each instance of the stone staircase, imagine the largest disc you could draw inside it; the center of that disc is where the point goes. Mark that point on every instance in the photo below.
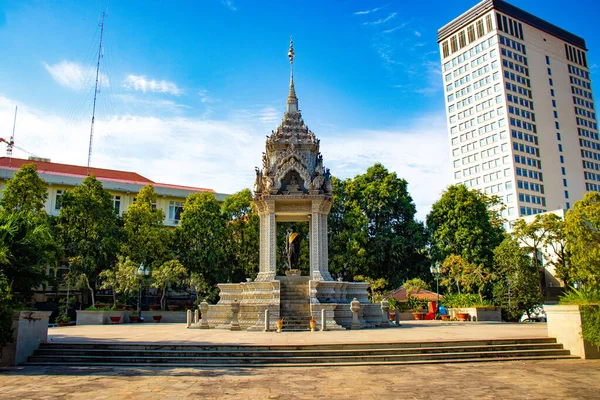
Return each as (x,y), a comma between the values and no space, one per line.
(294,305)
(344,354)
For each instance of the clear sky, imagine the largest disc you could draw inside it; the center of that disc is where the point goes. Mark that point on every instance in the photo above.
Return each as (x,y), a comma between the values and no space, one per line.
(189,89)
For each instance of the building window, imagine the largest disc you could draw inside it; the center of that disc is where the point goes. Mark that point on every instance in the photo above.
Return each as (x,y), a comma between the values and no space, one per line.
(553,103)
(568,205)
(117,204)
(57,202)
(445,49)
(549,71)
(550,82)
(566,194)
(548,61)
(471,33)
(557,125)
(480,31)
(560,148)
(565,183)
(563,170)
(555,114)
(175,210)
(557,136)
(552,92)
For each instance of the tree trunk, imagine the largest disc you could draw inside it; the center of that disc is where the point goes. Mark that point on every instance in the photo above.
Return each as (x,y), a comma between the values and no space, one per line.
(114,297)
(87,281)
(162,299)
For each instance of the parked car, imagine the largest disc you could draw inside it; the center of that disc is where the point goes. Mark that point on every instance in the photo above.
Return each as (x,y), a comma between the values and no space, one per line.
(538,315)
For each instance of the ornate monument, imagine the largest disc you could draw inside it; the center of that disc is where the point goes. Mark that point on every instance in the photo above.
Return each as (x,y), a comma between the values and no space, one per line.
(293,186)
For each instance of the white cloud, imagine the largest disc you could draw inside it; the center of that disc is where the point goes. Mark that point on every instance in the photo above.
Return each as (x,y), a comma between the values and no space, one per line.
(140,83)
(368,11)
(382,20)
(205,97)
(74,75)
(221,154)
(229,4)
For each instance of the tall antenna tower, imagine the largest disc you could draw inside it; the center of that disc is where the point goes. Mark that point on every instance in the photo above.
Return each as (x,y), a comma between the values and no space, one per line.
(9,148)
(96,93)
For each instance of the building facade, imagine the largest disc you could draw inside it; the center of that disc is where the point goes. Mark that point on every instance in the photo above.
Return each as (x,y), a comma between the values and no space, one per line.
(520,109)
(123,186)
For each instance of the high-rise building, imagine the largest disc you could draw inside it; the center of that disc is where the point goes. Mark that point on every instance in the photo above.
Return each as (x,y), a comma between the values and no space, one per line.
(520,109)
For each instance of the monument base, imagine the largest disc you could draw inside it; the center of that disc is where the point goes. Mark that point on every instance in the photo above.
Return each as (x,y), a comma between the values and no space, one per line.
(255,297)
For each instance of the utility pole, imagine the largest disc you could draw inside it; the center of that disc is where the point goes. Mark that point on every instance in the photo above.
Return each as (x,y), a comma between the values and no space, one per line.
(96,93)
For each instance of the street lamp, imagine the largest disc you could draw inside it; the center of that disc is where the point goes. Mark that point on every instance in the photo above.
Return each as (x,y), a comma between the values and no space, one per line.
(436,271)
(142,272)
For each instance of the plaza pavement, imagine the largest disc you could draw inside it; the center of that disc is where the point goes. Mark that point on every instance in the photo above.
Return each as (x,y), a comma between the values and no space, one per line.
(409,331)
(567,379)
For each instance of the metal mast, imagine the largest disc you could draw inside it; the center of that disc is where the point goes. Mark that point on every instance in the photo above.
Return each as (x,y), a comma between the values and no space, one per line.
(95,93)
(9,148)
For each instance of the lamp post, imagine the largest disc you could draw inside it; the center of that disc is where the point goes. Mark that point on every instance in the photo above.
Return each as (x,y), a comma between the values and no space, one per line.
(142,272)
(436,271)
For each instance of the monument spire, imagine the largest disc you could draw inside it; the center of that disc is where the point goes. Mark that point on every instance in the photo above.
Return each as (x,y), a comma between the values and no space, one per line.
(292,101)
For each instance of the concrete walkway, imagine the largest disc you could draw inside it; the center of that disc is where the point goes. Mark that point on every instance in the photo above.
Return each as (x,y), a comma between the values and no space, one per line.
(410,331)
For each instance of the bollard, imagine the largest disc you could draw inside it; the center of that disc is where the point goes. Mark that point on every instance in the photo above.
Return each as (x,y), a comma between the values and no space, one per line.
(355,308)
(235,310)
(196,316)
(267,320)
(189,318)
(323,320)
(385,314)
(204,320)
(397,317)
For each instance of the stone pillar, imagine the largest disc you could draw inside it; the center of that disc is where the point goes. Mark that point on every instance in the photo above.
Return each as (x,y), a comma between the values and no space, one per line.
(189,318)
(235,310)
(267,320)
(385,314)
(204,320)
(355,308)
(323,320)
(268,241)
(196,316)
(397,315)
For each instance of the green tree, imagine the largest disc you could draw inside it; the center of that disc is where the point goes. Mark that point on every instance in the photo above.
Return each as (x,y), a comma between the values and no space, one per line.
(6,312)
(414,285)
(582,228)
(146,240)
(26,191)
(348,234)
(242,235)
(532,237)
(385,240)
(377,287)
(201,238)
(556,239)
(27,249)
(122,279)
(88,230)
(465,223)
(516,279)
(170,272)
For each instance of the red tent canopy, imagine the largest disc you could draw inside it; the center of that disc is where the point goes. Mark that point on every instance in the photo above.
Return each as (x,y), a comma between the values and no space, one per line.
(400,295)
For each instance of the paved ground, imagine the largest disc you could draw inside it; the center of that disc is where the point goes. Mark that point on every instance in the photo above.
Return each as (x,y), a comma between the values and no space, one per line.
(410,331)
(500,380)
(570,379)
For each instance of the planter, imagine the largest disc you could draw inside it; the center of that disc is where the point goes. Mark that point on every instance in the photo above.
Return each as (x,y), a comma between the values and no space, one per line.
(313,325)
(157,318)
(564,324)
(279,325)
(61,324)
(418,316)
(115,319)
(463,316)
(478,313)
(155,307)
(445,317)
(30,328)
(134,319)
(172,308)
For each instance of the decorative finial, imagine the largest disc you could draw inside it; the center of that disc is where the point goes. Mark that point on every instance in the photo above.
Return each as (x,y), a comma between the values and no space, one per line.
(291,52)
(292,102)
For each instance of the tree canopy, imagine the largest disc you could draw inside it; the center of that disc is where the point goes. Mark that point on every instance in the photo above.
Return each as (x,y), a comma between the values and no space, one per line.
(372,228)
(26,191)
(582,228)
(466,223)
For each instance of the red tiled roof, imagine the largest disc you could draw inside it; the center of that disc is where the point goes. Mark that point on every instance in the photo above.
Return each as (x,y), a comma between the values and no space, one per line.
(400,294)
(51,168)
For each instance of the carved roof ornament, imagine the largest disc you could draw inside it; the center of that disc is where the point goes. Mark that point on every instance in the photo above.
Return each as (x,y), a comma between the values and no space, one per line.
(292,164)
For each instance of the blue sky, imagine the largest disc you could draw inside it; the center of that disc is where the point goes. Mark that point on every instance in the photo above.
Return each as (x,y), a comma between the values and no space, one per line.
(190,88)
